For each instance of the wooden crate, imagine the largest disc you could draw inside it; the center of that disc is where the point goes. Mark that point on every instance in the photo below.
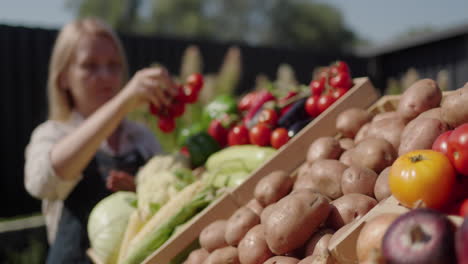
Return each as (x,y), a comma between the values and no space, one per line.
(344,247)
(288,158)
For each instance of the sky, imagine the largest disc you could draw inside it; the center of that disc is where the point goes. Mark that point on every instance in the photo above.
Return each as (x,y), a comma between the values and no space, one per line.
(378,21)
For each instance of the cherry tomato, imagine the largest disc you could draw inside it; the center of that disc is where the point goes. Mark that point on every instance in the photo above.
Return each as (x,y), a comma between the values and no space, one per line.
(195,80)
(422,175)
(324,102)
(338,92)
(342,66)
(176,109)
(238,135)
(268,117)
(154,110)
(342,80)
(166,124)
(191,94)
(218,132)
(181,94)
(458,149)
(317,86)
(441,143)
(260,135)
(311,106)
(279,137)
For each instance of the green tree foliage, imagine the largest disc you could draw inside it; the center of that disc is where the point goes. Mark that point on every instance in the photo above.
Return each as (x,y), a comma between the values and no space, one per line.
(291,23)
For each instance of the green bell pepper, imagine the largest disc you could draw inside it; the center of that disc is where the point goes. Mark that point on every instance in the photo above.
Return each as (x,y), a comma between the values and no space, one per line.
(200,147)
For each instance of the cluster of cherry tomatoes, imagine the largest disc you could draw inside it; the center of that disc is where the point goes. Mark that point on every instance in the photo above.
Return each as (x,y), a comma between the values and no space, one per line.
(187,94)
(330,84)
(263,133)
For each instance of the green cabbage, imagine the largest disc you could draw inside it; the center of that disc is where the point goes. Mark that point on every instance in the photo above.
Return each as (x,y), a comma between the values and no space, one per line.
(107,223)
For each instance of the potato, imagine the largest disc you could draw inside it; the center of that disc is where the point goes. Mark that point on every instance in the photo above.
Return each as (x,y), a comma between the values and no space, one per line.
(362,133)
(345,158)
(385,115)
(454,108)
(239,223)
(348,208)
(369,241)
(373,153)
(421,133)
(381,188)
(273,187)
(351,120)
(255,206)
(266,213)
(212,236)
(435,113)
(358,180)
(419,97)
(197,256)
(281,260)
(347,143)
(318,243)
(295,218)
(389,129)
(325,258)
(324,148)
(324,176)
(253,248)
(225,255)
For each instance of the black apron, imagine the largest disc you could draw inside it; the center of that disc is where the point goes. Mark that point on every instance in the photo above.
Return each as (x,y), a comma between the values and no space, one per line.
(71,240)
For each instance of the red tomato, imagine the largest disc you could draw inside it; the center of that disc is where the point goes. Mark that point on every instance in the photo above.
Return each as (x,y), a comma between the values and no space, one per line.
(341,80)
(154,110)
(176,109)
(279,137)
(342,66)
(181,94)
(337,93)
(317,86)
(195,80)
(268,117)
(218,132)
(464,208)
(311,106)
(260,135)
(191,94)
(238,135)
(324,102)
(166,124)
(441,143)
(458,149)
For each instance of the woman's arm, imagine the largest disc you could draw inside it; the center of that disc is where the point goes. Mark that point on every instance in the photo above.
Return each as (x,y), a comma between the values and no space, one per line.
(71,155)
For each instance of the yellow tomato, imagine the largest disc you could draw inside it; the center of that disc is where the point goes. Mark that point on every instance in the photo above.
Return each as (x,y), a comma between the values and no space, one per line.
(422,176)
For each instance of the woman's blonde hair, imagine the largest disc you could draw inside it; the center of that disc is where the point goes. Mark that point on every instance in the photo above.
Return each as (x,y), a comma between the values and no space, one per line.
(59,99)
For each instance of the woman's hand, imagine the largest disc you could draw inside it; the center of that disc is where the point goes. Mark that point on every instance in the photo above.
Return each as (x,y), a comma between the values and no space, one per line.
(150,85)
(120,181)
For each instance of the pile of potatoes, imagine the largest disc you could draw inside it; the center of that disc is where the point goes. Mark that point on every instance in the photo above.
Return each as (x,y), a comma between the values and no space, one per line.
(293,217)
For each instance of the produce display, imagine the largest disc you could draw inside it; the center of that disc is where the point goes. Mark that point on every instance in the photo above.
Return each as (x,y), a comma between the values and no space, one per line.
(414,154)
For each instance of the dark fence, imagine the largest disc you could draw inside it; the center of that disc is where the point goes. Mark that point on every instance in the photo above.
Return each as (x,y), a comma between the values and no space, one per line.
(25,52)
(430,54)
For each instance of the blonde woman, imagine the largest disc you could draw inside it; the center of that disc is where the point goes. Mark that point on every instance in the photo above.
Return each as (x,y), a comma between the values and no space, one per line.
(87,149)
